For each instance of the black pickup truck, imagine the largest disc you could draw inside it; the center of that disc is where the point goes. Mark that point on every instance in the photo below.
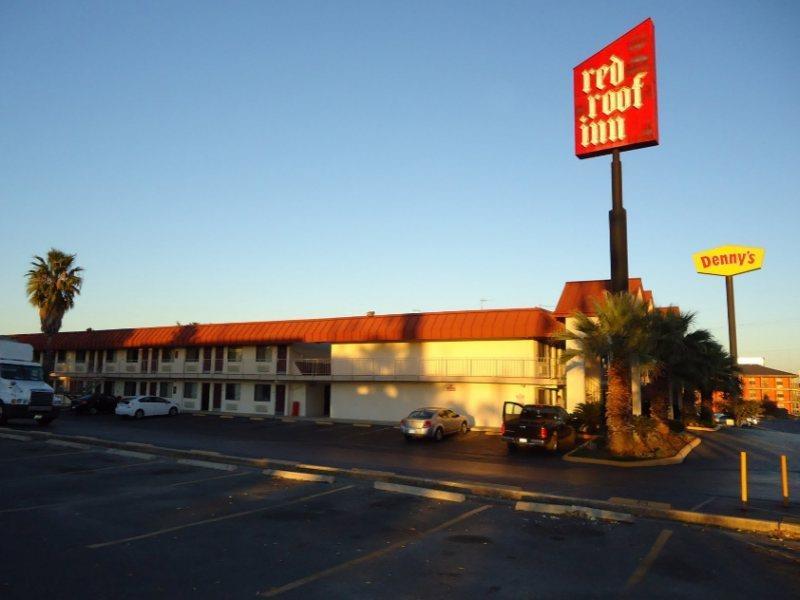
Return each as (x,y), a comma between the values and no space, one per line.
(536,425)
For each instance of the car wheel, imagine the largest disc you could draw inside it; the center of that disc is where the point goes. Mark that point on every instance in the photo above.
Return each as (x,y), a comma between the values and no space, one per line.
(173,411)
(438,434)
(464,428)
(138,414)
(552,445)
(512,447)
(93,410)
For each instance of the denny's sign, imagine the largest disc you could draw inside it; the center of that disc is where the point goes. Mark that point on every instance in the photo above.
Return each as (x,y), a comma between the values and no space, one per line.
(728,260)
(615,95)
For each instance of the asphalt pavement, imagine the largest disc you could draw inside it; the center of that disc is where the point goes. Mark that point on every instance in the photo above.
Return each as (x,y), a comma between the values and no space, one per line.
(84,522)
(707,481)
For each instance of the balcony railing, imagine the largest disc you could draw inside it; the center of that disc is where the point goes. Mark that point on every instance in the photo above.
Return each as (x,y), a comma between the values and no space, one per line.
(359,369)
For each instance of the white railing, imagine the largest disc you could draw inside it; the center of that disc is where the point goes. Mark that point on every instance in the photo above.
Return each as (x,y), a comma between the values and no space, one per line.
(372,368)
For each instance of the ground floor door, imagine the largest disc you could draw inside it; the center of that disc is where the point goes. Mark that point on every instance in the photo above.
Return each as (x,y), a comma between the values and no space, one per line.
(217,396)
(205,395)
(326,401)
(280,400)
(108,388)
(153,388)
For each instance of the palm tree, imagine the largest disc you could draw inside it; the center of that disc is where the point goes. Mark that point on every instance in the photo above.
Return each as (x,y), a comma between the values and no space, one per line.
(668,343)
(620,336)
(51,287)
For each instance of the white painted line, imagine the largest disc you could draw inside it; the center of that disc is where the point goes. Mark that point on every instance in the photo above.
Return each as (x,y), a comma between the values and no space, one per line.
(648,560)
(68,444)
(418,491)
(317,468)
(139,444)
(287,420)
(371,556)
(19,438)
(217,519)
(180,483)
(574,511)
(298,476)
(637,502)
(703,503)
(324,422)
(362,424)
(131,453)
(208,465)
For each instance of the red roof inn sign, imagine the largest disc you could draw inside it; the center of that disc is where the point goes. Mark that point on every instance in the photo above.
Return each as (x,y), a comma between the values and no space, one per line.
(615,95)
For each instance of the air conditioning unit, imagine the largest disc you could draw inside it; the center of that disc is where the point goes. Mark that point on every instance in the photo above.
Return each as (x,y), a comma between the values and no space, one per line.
(189,404)
(166,368)
(130,368)
(262,368)
(190,368)
(261,408)
(231,406)
(234,368)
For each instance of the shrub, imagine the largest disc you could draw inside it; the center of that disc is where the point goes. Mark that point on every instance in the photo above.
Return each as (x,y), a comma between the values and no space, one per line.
(587,417)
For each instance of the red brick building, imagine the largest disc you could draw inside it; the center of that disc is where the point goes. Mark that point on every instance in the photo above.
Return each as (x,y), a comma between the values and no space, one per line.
(764,383)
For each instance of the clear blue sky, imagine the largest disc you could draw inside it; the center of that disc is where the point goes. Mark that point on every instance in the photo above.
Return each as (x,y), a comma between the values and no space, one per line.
(239,161)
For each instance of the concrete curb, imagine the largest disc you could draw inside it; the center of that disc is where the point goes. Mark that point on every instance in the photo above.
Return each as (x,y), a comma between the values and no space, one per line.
(207,464)
(299,476)
(484,491)
(701,428)
(575,511)
(420,491)
(651,462)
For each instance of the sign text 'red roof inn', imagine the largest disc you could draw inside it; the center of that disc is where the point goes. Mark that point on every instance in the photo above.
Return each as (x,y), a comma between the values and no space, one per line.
(615,95)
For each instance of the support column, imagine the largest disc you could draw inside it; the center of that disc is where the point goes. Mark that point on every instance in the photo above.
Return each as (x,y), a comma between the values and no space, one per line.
(618,229)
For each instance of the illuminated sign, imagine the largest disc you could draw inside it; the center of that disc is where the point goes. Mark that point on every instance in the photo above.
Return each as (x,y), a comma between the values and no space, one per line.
(615,95)
(728,260)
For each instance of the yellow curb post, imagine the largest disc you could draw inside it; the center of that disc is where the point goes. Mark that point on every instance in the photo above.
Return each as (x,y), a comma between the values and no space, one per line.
(743,468)
(785,480)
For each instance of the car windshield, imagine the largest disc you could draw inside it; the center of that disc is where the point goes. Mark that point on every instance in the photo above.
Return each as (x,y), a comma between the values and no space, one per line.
(539,412)
(20,372)
(421,414)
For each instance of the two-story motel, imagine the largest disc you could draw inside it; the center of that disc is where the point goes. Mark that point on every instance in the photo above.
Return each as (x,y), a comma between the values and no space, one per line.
(372,367)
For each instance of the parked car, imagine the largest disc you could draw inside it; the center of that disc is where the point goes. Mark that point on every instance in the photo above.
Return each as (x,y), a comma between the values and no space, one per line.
(536,425)
(93,404)
(435,422)
(146,406)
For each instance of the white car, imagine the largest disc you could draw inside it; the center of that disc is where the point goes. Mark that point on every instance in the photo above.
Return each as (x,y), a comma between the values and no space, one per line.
(146,406)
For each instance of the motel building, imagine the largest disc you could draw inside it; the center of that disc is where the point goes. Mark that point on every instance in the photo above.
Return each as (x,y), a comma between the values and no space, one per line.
(374,368)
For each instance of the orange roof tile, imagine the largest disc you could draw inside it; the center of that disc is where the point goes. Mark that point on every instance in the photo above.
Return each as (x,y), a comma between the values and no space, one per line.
(580,296)
(513,323)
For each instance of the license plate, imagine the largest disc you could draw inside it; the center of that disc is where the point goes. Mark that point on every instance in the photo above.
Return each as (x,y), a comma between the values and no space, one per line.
(412,431)
(523,440)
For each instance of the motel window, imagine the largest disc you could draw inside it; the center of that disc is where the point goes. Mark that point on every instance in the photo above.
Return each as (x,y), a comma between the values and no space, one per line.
(262,392)
(752,394)
(111,355)
(166,355)
(780,395)
(751,381)
(130,388)
(61,356)
(263,354)
(80,356)
(234,354)
(779,383)
(163,389)
(192,354)
(232,391)
(132,355)
(190,390)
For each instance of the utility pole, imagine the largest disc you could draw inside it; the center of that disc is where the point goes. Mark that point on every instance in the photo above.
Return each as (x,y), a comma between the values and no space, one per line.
(618,229)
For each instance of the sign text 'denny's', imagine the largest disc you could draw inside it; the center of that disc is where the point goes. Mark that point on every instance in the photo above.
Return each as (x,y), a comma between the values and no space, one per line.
(728,260)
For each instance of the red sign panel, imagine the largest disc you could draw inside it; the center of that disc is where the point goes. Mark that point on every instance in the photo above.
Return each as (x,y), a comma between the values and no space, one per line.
(615,95)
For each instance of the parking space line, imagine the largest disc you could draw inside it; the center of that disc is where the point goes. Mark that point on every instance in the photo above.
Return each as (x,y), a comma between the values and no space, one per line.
(13,436)
(211,478)
(648,560)
(703,503)
(139,464)
(24,508)
(235,515)
(371,556)
(44,455)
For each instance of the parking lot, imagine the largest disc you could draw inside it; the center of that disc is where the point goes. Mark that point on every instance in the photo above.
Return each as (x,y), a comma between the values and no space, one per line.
(85,522)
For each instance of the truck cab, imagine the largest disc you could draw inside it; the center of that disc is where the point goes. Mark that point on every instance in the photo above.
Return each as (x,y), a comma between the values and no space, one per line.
(23,391)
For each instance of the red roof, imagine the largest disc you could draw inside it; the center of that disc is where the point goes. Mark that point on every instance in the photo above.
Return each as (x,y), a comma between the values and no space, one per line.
(580,296)
(496,324)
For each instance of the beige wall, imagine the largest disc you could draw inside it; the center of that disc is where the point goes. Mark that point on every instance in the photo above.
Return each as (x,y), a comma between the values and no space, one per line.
(482,403)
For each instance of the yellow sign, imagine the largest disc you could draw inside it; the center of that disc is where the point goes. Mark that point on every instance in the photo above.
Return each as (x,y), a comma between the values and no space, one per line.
(728,260)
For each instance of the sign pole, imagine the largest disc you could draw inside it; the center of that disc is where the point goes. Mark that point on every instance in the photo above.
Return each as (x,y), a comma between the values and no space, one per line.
(731,317)
(618,229)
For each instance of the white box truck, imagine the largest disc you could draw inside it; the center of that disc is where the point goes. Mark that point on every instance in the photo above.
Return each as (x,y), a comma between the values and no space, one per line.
(23,391)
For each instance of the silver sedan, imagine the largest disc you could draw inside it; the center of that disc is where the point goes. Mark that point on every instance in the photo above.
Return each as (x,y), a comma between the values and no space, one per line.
(435,422)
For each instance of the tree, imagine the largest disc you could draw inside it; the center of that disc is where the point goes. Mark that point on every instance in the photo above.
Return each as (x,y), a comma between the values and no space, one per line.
(620,336)
(52,285)
(668,345)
